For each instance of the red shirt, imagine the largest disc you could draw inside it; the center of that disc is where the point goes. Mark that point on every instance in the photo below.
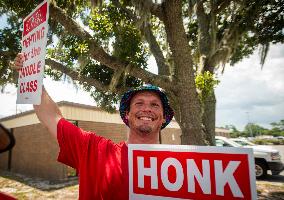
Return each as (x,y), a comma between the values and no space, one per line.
(6,197)
(102,164)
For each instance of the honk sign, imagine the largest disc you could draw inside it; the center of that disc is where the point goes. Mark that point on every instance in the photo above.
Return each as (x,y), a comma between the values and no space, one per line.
(34,39)
(190,172)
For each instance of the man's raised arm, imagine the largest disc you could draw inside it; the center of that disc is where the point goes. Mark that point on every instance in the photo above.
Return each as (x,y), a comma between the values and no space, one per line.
(47,112)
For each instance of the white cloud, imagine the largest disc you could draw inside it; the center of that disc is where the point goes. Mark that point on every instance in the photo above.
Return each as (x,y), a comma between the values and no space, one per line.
(245,88)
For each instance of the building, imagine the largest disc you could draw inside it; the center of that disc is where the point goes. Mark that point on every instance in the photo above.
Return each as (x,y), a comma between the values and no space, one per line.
(222,132)
(35,152)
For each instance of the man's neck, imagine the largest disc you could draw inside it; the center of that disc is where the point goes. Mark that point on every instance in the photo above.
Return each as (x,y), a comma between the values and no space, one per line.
(134,138)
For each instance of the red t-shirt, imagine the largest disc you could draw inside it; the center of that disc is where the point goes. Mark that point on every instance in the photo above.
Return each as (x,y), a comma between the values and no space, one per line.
(6,197)
(102,164)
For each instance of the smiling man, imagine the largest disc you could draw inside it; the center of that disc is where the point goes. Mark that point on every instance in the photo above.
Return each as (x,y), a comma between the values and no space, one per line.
(146,111)
(103,165)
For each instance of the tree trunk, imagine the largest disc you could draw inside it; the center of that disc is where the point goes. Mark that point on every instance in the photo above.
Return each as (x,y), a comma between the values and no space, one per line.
(190,118)
(208,118)
(188,104)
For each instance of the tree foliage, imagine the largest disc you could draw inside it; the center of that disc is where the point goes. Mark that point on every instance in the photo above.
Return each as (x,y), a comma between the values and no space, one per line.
(253,129)
(105,48)
(234,132)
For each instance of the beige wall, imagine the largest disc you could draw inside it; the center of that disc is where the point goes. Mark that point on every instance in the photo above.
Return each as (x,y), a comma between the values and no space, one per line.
(118,132)
(4,160)
(171,136)
(35,153)
(115,132)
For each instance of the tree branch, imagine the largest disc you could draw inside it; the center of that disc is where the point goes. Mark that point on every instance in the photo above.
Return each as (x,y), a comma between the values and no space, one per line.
(178,42)
(69,24)
(75,75)
(115,79)
(7,54)
(213,27)
(157,10)
(98,53)
(221,5)
(191,5)
(149,5)
(203,35)
(163,68)
(233,33)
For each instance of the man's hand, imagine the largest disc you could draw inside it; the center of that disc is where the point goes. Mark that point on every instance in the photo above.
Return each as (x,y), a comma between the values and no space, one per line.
(18,62)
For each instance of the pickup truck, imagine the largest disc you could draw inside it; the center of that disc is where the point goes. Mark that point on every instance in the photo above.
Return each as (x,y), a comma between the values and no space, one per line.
(265,157)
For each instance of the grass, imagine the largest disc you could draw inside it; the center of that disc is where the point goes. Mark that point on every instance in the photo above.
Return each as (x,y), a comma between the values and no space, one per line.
(24,188)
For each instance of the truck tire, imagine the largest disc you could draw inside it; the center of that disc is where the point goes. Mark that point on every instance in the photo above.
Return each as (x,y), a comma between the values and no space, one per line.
(260,169)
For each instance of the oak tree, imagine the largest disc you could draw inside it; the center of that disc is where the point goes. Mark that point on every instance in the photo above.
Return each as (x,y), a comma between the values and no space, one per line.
(104,46)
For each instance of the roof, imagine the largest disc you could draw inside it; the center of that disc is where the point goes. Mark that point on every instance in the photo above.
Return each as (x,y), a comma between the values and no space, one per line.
(61,103)
(222,130)
(70,111)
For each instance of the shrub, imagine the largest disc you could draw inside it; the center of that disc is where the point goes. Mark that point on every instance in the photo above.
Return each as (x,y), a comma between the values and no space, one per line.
(269,141)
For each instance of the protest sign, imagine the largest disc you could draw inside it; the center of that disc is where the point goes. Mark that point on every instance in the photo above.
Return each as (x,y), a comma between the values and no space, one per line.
(34,38)
(190,172)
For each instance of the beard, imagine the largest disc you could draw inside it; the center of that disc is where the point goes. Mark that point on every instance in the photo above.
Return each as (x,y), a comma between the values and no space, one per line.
(144,129)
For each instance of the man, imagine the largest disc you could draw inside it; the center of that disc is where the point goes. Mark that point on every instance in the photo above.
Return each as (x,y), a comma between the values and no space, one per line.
(103,165)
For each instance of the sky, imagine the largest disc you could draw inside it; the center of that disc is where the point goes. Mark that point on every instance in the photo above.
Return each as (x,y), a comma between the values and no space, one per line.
(246,93)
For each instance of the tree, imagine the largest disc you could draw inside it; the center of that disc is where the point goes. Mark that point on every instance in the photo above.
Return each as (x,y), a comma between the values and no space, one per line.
(105,48)
(278,125)
(252,130)
(234,132)
(277,128)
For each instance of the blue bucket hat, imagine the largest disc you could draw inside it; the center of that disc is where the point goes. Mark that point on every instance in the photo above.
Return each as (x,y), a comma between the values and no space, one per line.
(126,98)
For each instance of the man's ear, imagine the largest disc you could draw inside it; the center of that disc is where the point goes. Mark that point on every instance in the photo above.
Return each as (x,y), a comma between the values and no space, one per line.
(164,119)
(126,114)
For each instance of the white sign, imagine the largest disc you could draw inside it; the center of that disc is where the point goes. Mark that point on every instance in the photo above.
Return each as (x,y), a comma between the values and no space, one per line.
(34,40)
(190,172)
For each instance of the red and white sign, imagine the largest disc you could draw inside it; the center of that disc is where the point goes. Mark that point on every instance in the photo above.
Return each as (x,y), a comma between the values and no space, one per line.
(190,172)
(34,40)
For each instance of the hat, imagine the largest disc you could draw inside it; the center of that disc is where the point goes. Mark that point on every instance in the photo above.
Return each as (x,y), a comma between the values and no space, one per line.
(126,98)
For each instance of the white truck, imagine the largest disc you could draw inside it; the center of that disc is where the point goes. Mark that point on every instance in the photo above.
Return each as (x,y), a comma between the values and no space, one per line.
(266,158)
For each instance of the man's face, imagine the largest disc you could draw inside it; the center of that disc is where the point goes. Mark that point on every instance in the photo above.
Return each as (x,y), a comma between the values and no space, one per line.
(146,113)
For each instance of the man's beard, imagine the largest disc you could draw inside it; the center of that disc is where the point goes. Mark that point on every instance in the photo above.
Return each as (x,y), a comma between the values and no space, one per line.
(144,129)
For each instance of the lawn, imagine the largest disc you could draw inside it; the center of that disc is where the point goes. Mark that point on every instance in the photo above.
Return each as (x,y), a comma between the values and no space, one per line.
(22,188)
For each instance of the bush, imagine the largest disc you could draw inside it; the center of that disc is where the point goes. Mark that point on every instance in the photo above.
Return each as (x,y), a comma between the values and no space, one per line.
(269,141)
